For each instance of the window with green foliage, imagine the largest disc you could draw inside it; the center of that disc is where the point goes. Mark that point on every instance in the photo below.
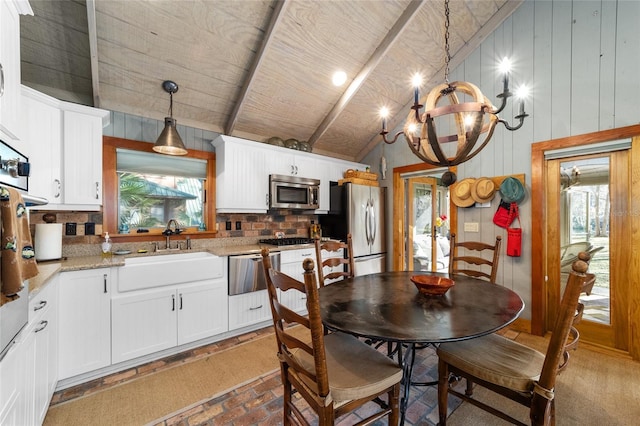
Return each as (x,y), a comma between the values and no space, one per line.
(143,190)
(154,188)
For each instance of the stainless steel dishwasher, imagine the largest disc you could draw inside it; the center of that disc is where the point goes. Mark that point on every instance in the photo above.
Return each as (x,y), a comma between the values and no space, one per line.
(246,273)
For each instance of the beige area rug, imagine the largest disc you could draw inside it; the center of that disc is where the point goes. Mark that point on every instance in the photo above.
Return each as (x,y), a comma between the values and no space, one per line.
(596,389)
(151,397)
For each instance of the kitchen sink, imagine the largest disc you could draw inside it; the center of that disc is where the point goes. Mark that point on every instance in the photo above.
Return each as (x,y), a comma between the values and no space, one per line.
(162,258)
(169,269)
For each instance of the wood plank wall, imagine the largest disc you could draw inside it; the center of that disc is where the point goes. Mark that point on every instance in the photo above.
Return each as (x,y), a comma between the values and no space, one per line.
(581,61)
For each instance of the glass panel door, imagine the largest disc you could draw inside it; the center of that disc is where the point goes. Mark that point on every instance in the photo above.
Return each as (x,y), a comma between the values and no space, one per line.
(427,225)
(588,210)
(584,211)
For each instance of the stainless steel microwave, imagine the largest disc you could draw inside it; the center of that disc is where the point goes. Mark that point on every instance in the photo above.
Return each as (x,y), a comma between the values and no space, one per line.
(292,192)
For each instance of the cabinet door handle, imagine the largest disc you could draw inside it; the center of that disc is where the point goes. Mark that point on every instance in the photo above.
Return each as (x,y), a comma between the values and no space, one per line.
(97,190)
(43,325)
(104,280)
(58,187)
(180,301)
(1,80)
(256,308)
(41,305)
(173,302)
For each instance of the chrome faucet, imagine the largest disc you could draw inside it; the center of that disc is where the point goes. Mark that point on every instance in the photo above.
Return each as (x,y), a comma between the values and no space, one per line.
(168,232)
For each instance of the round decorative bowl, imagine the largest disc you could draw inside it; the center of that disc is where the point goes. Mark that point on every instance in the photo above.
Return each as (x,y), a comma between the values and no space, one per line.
(275,141)
(291,143)
(432,285)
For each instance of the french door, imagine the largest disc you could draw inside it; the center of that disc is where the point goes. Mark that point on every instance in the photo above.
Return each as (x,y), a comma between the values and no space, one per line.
(426,225)
(588,197)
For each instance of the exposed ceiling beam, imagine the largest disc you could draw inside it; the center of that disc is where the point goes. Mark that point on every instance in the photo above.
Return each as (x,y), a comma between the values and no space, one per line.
(492,24)
(371,64)
(276,19)
(93,51)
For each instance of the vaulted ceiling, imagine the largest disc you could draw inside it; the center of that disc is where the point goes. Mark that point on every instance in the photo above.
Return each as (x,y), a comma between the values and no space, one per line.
(252,68)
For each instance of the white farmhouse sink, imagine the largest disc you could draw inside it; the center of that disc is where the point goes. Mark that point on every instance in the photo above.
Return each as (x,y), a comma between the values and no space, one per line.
(169,269)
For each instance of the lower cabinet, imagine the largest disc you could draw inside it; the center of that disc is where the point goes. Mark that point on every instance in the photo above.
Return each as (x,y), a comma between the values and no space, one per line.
(85,321)
(148,321)
(44,308)
(29,369)
(248,309)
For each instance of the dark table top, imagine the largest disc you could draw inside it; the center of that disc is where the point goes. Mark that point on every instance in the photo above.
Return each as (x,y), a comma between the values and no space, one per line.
(388,306)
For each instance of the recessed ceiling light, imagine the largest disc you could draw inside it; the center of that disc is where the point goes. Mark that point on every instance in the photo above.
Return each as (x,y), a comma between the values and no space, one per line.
(339,78)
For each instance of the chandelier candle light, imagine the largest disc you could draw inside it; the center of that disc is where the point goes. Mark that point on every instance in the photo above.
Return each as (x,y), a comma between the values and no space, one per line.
(471,119)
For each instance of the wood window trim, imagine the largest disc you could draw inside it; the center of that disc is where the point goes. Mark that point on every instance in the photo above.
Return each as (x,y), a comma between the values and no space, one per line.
(110,190)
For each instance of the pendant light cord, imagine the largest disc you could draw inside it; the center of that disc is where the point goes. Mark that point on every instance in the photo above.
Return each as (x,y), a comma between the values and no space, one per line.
(447,55)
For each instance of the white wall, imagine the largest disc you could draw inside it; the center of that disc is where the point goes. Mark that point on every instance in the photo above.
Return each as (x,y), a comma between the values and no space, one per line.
(582,61)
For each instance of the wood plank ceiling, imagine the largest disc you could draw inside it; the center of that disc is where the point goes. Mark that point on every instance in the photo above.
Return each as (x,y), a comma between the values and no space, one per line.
(252,69)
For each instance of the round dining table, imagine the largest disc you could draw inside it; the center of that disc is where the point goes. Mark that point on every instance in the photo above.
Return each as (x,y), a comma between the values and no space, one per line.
(387,307)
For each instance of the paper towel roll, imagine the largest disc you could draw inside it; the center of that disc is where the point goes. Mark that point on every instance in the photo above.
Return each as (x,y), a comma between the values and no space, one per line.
(48,241)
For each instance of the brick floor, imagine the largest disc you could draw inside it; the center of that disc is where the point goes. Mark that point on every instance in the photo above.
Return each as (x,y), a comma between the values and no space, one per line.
(260,402)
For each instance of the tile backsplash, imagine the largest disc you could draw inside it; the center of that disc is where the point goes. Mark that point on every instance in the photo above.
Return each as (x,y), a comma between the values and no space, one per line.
(242,225)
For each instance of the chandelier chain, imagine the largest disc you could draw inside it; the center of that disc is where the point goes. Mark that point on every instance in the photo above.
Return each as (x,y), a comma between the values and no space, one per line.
(447,55)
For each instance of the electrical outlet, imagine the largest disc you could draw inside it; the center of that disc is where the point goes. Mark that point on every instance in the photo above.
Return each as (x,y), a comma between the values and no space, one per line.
(227,225)
(89,228)
(471,227)
(70,228)
(238,226)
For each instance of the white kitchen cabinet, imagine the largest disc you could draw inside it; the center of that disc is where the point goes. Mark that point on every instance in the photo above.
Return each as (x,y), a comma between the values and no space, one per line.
(243,168)
(291,264)
(84,321)
(143,323)
(43,325)
(29,369)
(64,144)
(42,138)
(82,156)
(248,309)
(13,405)
(10,12)
(289,162)
(148,321)
(203,311)
(242,181)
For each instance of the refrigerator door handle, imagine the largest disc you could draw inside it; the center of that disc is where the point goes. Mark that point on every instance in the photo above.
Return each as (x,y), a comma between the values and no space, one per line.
(366,223)
(372,219)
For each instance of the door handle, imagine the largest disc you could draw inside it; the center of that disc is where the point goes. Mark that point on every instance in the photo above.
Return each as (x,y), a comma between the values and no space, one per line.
(173,302)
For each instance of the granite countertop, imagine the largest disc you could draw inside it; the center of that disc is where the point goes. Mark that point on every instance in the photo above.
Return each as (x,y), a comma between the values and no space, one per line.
(47,269)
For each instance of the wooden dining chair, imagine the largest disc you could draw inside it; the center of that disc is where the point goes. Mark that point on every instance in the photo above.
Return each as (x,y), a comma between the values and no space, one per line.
(486,257)
(334,373)
(513,370)
(338,267)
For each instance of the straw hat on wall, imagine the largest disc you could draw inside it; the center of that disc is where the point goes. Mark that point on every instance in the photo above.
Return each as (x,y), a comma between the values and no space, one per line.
(461,193)
(483,190)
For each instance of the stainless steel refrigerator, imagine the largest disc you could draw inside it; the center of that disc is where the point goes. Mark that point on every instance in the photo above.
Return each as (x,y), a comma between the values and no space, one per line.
(359,210)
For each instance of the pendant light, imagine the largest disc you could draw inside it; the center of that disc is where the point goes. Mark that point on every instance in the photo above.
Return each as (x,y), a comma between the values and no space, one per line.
(169,141)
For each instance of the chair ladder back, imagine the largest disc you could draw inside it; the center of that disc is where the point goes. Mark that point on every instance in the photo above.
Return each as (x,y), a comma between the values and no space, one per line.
(346,261)
(479,247)
(284,318)
(557,356)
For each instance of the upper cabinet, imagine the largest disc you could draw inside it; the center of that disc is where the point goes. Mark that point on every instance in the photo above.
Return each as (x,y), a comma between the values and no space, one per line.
(64,144)
(82,154)
(243,168)
(241,185)
(10,11)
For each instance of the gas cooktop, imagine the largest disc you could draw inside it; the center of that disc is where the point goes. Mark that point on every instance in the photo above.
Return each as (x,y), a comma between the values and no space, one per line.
(286,241)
